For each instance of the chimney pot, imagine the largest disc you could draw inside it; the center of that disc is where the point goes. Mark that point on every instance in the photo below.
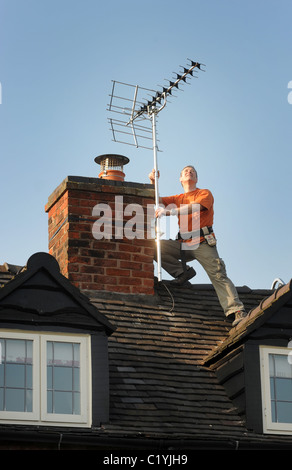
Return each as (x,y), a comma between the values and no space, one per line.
(112,166)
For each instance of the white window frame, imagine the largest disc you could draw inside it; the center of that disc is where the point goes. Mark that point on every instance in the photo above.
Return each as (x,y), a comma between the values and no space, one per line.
(16,416)
(39,414)
(269,426)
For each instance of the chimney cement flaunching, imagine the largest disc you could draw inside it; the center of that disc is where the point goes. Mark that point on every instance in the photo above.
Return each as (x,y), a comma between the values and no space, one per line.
(99,231)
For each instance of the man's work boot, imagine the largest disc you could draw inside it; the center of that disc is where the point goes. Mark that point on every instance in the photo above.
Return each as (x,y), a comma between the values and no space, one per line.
(240,315)
(183,277)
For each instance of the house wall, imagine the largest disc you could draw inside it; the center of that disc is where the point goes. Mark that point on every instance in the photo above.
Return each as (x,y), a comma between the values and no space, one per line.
(230,372)
(100,379)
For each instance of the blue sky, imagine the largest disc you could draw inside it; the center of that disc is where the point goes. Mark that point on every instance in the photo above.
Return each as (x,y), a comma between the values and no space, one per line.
(57,61)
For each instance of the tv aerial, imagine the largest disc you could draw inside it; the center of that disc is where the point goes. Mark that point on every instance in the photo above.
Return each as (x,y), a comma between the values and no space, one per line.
(136,124)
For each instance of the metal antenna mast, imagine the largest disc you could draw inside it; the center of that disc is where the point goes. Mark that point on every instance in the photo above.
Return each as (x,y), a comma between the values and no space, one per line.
(141,111)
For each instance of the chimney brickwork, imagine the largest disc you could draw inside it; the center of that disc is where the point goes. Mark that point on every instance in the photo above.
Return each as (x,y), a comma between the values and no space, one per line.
(116,263)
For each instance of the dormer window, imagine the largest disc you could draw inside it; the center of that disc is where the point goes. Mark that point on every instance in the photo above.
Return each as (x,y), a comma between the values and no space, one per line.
(276,381)
(45,378)
(53,351)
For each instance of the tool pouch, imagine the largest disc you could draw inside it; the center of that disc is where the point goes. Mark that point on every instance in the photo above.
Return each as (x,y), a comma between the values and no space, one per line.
(209,236)
(206,232)
(210,239)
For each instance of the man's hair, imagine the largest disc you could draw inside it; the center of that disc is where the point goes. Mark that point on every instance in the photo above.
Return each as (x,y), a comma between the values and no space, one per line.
(189,166)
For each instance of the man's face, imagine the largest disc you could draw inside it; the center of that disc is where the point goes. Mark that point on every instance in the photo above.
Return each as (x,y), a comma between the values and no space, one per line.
(188,174)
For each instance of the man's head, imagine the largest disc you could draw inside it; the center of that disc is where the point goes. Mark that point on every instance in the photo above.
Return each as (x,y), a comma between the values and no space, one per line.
(188,175)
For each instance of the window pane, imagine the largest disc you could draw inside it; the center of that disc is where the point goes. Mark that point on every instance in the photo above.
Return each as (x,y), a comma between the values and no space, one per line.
(28,400)
(1,375)
(50,401)
(29,352)
(63,377)
(2,350)
(283,388)
(49,352)
(15,350)
(272,364)
(29,376)
(272,388)
(76,349)
(76,379)
(16,375)
(283,368)
(63,354)
(15,399)
(76,403)
(284,412)
(63,402)
(49,377)
(273,405)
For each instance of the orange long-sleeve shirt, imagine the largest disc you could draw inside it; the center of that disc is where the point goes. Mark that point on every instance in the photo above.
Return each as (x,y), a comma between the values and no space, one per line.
(195,220)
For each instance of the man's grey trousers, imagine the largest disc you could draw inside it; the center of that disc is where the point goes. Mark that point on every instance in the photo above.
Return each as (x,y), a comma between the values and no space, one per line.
(214,266)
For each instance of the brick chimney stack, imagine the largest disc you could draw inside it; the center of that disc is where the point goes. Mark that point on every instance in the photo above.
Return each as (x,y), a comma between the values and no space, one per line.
(99,231)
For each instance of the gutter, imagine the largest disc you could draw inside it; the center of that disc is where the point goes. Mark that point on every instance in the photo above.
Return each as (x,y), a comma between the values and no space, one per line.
(64,439)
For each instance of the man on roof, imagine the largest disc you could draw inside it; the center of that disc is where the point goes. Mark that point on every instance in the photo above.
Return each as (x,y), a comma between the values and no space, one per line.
(196,241)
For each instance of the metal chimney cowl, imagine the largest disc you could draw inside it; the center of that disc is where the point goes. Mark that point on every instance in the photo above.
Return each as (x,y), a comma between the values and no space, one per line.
(112,166)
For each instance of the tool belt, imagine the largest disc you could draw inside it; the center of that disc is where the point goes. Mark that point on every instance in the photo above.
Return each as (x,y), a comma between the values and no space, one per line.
(206,232)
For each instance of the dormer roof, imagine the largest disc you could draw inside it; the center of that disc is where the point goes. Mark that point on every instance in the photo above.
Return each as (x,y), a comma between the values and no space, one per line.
(267,311)
(40,294)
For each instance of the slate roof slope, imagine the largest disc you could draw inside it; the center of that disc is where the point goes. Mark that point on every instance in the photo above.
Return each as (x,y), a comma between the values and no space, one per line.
(158,382)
